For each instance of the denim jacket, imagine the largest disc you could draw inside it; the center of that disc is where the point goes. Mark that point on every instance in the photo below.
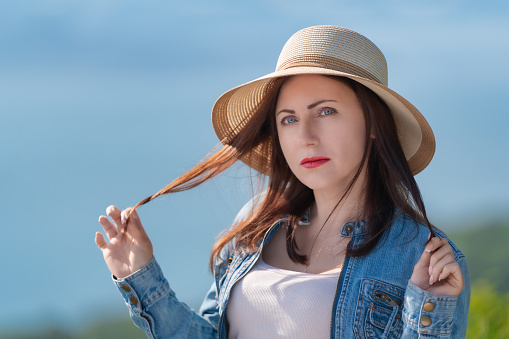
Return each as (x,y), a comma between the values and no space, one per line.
(374,297)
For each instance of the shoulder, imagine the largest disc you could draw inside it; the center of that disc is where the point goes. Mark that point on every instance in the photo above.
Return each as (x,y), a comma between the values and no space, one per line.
(228,251)
(405,229)
(249,207)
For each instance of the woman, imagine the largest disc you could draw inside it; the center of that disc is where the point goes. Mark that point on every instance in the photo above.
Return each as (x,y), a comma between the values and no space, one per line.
(341,225)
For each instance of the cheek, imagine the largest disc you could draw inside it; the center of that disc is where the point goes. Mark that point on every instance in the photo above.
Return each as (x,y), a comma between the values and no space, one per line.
(351,145)
(290,152)
(358,146)
(286,147)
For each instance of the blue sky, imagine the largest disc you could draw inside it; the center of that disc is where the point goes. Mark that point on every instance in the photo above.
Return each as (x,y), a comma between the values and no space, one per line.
(104,102)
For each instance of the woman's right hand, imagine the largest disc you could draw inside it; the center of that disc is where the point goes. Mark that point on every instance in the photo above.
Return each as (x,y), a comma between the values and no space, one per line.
(129,247)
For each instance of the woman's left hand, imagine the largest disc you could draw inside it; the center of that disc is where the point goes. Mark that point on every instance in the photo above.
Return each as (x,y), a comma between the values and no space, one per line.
(437,271)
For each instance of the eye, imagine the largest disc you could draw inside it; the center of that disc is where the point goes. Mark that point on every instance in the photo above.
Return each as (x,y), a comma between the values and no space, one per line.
(288,120)
(327,111)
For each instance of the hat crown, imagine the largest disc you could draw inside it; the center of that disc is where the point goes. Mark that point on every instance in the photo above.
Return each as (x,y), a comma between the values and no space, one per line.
(335,48)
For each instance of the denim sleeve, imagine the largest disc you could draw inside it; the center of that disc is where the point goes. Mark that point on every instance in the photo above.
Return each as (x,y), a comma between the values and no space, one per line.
(427,315)
(154,308)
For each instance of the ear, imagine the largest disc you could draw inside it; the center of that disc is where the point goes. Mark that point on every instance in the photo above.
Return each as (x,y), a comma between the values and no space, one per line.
(372,132)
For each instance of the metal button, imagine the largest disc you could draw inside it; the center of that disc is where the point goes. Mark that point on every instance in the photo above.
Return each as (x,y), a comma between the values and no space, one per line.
(126,288)
(133,300)
(425,321)
(428,307)
(348,229)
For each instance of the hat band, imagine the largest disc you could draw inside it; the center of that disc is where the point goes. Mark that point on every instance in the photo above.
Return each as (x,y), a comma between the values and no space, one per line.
(328,63)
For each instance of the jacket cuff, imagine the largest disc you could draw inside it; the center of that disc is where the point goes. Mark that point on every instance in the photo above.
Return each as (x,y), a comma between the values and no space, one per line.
(143,287)
(428,313)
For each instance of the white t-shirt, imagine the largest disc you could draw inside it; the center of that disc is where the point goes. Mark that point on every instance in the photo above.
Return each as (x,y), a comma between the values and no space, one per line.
(270,302)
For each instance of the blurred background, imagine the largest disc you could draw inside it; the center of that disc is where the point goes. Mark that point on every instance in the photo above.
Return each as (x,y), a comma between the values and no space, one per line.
(106,101)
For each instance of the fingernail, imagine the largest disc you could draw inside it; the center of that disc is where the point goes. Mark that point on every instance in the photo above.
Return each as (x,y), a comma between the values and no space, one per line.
(109,210)
(431,280)
(122,218)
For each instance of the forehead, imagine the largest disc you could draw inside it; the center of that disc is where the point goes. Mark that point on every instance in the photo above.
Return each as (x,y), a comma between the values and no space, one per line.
(305,88)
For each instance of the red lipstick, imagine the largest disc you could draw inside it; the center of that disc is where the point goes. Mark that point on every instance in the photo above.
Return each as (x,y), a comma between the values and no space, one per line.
(313,162)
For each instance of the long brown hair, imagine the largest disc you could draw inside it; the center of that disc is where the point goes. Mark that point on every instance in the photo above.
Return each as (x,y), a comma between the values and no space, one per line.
(390,183)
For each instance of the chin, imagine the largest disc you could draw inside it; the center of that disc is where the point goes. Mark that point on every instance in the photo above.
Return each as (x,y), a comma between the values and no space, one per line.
(323,182)
(319,185)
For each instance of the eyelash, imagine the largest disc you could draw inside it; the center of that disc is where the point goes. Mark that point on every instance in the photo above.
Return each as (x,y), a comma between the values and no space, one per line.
(320,111)
(323,109)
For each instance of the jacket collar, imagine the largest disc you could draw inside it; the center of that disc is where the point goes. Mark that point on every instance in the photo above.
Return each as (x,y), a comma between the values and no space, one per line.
(349,229)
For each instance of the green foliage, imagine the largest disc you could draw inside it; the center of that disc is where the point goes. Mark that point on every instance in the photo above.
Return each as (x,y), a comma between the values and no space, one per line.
(488,316)
(487,253)
(119,330)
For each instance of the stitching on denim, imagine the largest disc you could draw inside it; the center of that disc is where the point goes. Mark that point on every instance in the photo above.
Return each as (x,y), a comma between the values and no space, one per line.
(368,289)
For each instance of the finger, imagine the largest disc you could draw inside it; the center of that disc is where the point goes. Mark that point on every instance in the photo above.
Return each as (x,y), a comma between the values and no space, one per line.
(440,253)
(438,249)
(135,224)
(124,216)
(431,245)
(435,243)
(439,266)
(424,262)
(114,213)
(451,270)
(99,241)
(108,227)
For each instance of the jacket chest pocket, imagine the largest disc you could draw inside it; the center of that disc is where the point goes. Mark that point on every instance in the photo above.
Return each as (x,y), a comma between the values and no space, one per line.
(378,311)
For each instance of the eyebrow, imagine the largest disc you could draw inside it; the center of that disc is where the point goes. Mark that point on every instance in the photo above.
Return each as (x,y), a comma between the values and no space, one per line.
(309,107)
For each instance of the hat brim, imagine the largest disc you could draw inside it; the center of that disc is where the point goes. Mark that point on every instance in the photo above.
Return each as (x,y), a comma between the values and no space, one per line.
(234,106)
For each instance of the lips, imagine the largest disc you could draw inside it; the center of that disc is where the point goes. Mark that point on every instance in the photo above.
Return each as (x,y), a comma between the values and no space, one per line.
(313,162)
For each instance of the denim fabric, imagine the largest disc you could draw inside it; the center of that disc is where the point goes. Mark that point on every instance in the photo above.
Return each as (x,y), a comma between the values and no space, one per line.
(374,297)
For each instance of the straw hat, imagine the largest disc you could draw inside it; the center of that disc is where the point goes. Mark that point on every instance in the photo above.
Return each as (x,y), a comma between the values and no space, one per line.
(327,50)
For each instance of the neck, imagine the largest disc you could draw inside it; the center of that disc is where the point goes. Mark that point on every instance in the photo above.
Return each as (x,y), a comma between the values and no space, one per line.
(349,209)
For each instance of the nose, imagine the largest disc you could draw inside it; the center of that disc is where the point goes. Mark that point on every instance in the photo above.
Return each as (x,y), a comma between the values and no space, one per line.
(308,135)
